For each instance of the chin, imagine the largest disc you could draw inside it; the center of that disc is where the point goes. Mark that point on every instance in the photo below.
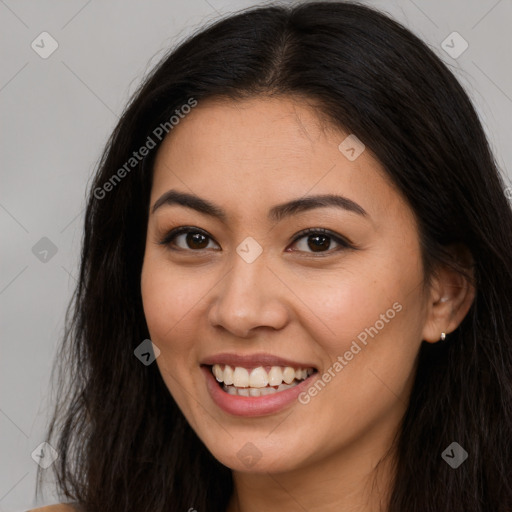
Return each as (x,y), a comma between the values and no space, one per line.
(258,454)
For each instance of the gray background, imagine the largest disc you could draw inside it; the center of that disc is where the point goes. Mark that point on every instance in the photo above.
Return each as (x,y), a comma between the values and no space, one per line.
(56,116)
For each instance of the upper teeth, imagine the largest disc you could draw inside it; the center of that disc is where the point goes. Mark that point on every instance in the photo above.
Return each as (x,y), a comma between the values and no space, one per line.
(259,377)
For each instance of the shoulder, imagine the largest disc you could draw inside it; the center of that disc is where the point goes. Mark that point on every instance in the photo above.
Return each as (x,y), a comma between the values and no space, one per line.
(61,507)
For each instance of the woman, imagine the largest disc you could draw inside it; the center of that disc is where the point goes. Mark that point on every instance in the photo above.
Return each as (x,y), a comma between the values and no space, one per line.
(295,283)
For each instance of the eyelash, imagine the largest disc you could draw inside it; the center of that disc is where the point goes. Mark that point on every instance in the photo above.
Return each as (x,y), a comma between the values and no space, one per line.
(344,243)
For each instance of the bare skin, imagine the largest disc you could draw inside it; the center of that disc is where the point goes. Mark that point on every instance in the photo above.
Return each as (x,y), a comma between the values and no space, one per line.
(291,301)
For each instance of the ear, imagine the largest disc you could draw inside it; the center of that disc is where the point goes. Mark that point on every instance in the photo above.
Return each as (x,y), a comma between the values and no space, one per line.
(450,297)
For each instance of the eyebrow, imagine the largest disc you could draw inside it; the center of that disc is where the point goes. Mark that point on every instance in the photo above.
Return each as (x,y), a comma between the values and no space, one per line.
(275,214)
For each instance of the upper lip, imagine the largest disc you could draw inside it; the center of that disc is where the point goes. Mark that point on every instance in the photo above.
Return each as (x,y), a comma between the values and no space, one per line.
(253,361)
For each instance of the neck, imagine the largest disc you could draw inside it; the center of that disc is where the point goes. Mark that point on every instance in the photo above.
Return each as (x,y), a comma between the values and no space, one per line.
(351,480)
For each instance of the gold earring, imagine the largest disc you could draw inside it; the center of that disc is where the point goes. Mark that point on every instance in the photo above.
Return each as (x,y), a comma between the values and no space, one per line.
(443,336)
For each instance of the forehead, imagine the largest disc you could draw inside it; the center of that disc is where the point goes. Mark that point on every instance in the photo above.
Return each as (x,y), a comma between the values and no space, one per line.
(248,153)
(261,129)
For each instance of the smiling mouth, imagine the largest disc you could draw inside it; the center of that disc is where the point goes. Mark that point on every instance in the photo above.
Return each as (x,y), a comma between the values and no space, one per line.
(258,381)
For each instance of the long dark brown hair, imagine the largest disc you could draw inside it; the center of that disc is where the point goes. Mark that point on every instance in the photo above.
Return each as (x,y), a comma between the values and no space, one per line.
(124,445)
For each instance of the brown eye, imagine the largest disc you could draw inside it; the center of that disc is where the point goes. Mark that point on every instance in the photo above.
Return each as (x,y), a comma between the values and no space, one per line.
(196,240)
(187,238)
(319,241)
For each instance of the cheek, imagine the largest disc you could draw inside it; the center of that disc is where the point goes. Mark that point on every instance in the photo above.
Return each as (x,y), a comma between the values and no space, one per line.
(168,297)
(356,302)
(372,318)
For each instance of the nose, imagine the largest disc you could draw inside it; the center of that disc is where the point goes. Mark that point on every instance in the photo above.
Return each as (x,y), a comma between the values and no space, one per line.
(250,297)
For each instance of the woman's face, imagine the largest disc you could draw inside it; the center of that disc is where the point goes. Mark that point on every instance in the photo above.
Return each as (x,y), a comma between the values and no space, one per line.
(341,312)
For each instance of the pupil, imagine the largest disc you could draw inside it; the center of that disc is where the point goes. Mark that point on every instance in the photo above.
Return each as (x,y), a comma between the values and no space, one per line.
(194,239)
(316,245)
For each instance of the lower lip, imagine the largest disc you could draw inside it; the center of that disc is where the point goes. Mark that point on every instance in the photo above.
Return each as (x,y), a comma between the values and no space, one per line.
(254,405)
